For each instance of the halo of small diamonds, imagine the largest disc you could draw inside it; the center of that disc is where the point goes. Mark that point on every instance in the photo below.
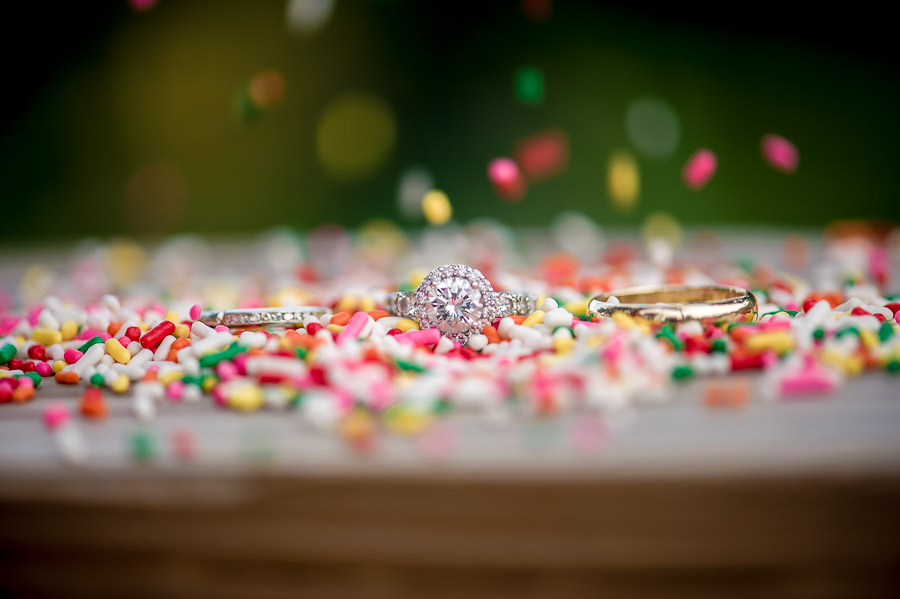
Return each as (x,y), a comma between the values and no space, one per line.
(456,299)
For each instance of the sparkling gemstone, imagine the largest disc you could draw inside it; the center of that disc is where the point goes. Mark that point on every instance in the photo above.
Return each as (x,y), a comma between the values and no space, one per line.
(454,305)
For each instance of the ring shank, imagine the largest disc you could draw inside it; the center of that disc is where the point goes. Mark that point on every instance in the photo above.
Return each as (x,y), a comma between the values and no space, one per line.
(261,317)
(675,303)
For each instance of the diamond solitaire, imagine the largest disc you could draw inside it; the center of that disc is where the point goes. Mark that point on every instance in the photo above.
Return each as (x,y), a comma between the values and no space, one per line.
(458,301)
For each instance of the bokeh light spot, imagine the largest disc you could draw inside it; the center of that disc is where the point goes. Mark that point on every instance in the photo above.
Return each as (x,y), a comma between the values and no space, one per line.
(781,154)
(267,88)
(142,5)
(506,178)
(412,187)
(661,225)
(623,180)
(436,207)
(543,155)
(528,85)
(537,10)
(699,168)
(653,127)
(308,16)
(355,136)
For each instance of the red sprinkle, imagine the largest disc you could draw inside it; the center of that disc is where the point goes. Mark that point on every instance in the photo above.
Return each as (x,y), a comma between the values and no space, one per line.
(313,328)
(133,333)
(153,337)
(37,352)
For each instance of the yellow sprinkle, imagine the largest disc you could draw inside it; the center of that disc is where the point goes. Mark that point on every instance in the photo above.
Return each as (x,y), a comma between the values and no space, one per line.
(248,398)
(144,326)
(366,304)
(850,365)
(623,320)
(182,330)
(335,328)
(172,375)
(119,353)
(406,325)
(47,336)
(58,365)
(869,339)
(436,207)
(20,339)
(4,374)
(781,342)
(415,277)
(534,318)
(69,329)
(407,422)
(208,383)
(579,307)
(172,316)
(563,344)
(346,304)
(121,384)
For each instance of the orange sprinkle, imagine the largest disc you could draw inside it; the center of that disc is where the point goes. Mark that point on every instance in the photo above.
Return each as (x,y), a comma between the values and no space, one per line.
(376,314)
(341,319)
(293,337)
(173,355)
(150,376)
(181,342)
(66,377)
(518,318)
(22,393)
(92,404)
(491,333)
(113,328)
(726,394)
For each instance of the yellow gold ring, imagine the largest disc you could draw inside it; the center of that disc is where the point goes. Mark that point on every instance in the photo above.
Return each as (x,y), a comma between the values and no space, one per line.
(676,303)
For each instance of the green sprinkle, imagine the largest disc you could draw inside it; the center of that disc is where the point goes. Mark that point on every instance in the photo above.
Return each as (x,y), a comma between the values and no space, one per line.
(529,85)
(192,380)
(142,446)
(719,346)
(668,334)
(302,352)
(210,360)
(407,288)
(564,328)
(97,379)
(7,352)
(846,331)
(886,331)
(791,313)
(819,334)
(893,366)
(92,341)
(296,400)
(682,371)
(442,406)
(403,364)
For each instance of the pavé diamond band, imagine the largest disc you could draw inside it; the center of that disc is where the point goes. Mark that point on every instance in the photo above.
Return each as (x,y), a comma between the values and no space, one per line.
(261,317)
(674,303)
(459,301)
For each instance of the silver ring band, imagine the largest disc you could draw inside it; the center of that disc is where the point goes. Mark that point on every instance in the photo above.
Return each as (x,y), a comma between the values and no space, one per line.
(261,317)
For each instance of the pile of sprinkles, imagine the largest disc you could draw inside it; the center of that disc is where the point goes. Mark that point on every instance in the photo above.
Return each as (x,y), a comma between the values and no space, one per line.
(359,372)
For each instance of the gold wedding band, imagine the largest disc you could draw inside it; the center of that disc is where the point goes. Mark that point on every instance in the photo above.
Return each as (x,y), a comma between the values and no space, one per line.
(676,303)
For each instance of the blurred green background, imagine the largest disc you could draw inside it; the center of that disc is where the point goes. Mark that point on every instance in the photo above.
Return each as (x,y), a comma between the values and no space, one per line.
(134,118)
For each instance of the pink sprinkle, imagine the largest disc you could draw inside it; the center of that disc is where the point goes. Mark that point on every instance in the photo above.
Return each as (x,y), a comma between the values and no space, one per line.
(195,311)
(33,315)
(55,415)
(222,329)
(219,396)
(438,442)
(227,370)
(808,380)
(72,355)
(125,341)
(699,169)
(354,328)
(7,324)
(175,391)
(43,369)
(588,433)
(506,178)
(421,337)
(781,154)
